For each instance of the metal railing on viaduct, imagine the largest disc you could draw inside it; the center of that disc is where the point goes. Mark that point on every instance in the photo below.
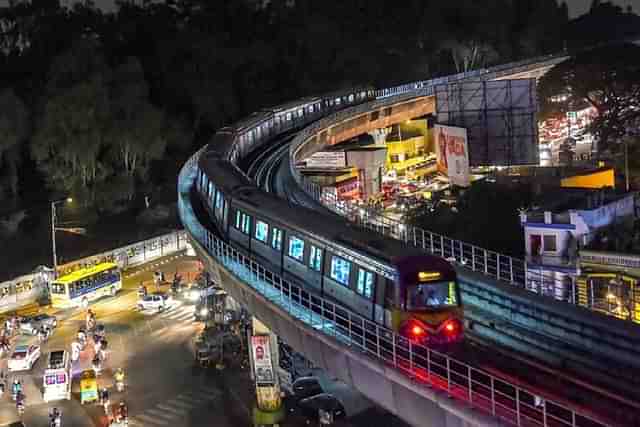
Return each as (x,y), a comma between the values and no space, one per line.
(474,387)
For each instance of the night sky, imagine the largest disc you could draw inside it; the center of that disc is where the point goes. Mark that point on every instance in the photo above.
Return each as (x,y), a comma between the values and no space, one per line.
(576,7)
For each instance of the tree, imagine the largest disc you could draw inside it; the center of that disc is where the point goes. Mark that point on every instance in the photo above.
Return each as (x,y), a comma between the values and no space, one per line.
(607,78)
(137,135)
(486,215)
(470,54)
(71,135)
(14,128)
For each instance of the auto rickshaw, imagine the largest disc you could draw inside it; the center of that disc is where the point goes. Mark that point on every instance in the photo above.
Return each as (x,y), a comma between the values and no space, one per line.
(88,387)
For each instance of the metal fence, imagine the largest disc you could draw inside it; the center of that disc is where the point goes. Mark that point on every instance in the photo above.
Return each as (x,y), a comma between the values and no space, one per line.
(477,388)
(135,253)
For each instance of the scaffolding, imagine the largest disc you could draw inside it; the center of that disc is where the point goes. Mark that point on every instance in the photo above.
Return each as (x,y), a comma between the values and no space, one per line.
(500,118)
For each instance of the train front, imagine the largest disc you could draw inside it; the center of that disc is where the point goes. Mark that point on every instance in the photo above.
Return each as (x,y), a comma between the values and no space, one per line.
(429,309)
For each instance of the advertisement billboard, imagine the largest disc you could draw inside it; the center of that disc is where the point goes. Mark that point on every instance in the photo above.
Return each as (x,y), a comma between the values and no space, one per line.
(327,159)
(262,366)
(452,154)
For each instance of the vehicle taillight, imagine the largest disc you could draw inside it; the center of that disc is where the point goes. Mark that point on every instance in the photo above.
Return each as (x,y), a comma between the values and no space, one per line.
(417,331)
(452,327)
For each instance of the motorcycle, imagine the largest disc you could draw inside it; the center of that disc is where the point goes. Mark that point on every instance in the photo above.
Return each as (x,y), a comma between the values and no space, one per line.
(20,404)
(55,420)
(97,366)
(43,336)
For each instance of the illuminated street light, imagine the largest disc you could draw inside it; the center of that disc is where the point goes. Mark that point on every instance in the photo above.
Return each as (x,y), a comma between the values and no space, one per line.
(53,232)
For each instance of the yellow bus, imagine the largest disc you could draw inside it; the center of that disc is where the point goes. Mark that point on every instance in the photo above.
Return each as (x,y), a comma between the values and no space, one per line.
(78,288)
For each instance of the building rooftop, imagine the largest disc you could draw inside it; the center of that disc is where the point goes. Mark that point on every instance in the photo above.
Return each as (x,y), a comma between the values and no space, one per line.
(559,200)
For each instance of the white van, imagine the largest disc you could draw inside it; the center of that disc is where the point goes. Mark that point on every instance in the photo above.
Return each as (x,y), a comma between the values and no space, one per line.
(57,377)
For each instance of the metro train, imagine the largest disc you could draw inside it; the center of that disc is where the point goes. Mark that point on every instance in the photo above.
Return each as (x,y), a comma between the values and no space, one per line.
(381,279)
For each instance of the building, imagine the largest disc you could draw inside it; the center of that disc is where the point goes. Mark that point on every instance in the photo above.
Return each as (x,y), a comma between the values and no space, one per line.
(609,282)
(567,220)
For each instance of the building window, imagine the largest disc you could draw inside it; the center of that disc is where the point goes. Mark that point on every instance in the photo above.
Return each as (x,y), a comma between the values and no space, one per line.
(550,243)
(315,258)
(365,283)
(262,231)
(243,222)
(276,239)
(340,269)
(296,248)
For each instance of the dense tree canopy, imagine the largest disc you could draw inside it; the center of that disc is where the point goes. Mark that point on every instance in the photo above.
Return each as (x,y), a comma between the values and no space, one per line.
(486,215)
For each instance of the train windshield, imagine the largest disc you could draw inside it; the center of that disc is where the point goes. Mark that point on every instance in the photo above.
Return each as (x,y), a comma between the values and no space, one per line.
(431,295)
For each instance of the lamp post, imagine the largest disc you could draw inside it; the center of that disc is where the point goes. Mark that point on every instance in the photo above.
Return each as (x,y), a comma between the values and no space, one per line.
(53,232)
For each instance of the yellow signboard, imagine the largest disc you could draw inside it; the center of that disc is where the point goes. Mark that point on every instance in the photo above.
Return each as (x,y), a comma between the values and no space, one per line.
(427,276)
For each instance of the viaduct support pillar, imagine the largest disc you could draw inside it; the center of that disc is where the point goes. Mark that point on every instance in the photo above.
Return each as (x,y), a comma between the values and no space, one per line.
(263,353)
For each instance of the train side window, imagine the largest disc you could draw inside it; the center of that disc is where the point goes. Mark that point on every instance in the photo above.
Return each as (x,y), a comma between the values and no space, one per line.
(210,189)
(340,269)
(218,200)
(243,222)
(374,116)
(246,224)
(296,248)
(315,258)
(262,231)
(387,111)
(276,239)
(365,283)
(238,224)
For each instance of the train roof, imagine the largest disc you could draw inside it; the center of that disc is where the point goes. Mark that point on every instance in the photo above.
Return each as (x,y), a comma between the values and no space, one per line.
(293,105)
(224,175)
(252,120)
(327,227)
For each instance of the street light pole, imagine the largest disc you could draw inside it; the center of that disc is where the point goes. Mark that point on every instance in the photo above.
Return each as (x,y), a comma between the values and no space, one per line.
(53,233)
(53,239)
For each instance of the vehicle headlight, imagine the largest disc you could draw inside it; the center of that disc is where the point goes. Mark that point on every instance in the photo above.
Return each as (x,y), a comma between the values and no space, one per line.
(204,312)
(194,295)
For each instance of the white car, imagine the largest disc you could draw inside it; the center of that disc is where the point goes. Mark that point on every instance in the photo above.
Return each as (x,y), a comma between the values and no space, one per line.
(156,301)
(23,358)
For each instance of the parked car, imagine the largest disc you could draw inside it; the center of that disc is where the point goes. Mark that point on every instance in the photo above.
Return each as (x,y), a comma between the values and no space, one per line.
(304,387)
(23,358)
(311,407)
(156,301)
(32,324)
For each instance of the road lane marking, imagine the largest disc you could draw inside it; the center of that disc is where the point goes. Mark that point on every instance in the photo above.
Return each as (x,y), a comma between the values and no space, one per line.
(185,405)
(161,413)
(177,411)
(149,419)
